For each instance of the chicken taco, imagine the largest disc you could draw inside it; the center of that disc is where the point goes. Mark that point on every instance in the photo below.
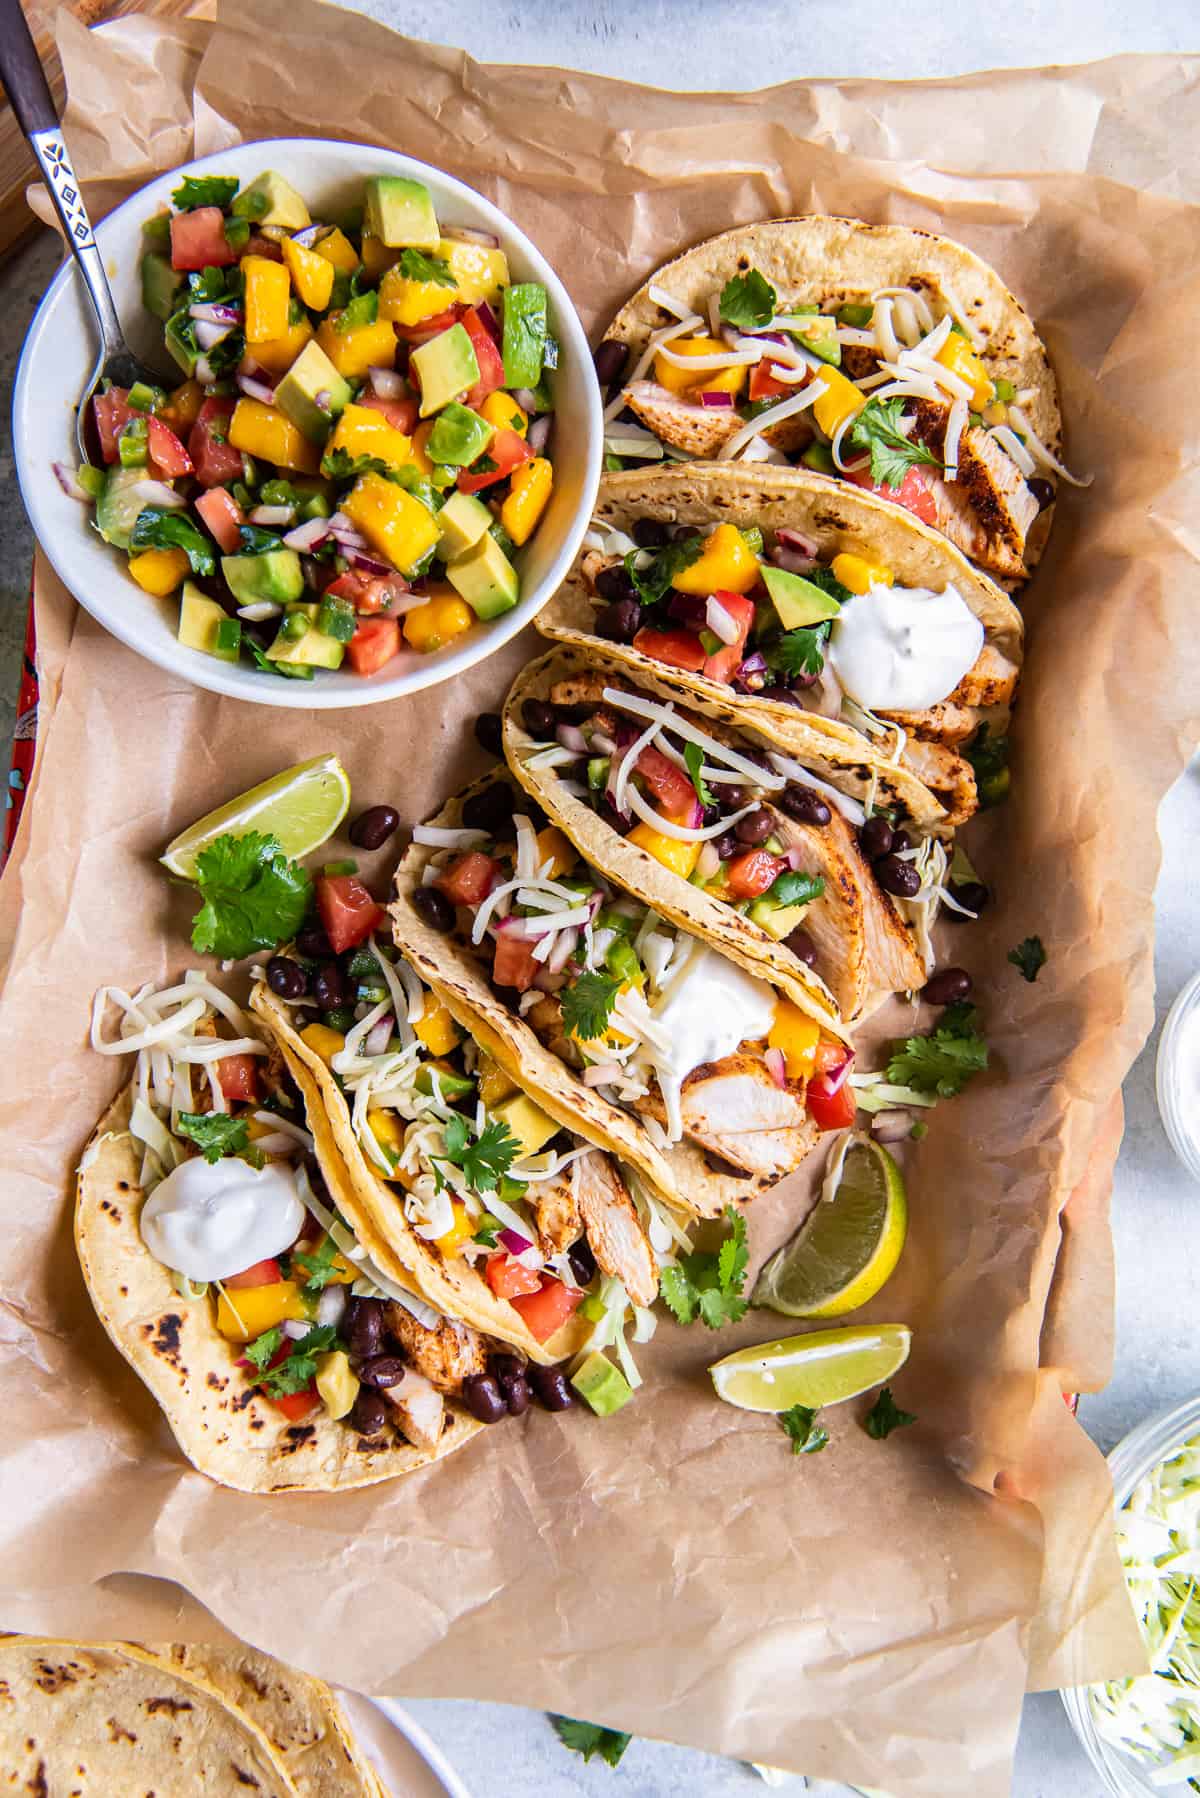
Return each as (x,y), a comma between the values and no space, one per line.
(872,354)
(746,846)
(821,618)
(709,1075)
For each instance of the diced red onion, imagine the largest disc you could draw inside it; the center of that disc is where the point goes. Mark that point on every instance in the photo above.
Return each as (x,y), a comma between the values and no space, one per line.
(203,371)
(516,1245)
(891,1126)
(539,432)
(386,383)
(720,621)
(402,601)
(602,743)
(157,493)
(601,1073)
(572,738)
(562,951)
(489,321)
(68,480)
(256,390)
(331,1305)
(610,785)
(776,1066)
(526,398)
(795,858)
(836,1078)
(828,694)
(468,234)
(715,400)
(310,235)
(753,664)
(343,529)
(308,535)
(295,1328)
(272,515)
(792,561)
(708,860)
(259,610)
(365,562)
(209,335)
(379,1036)
(216,313)
(323,400)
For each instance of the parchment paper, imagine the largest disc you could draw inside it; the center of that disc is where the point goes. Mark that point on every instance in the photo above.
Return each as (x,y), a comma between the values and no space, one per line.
(870,1614)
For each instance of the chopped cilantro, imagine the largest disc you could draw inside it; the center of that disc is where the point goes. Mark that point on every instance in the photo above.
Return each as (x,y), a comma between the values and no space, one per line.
(215,1133)
(362,309)
(1029,956)
(793,888)
(885,1416)
(587,1005)
(878,428)
(800,651)
(204,190)
(942,1062)
(415,265)
(484,1158)
(748,301)
(654,582)
(253,896)
(591,1738)
(693,757)
(709,1286)
(800,1423)
(318,1267)
(259,1351)
(299,1370)
(158,527)
(255,541)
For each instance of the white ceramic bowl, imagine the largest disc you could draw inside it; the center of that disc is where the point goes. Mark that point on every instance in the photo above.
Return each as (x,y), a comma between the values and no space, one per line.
(59,352)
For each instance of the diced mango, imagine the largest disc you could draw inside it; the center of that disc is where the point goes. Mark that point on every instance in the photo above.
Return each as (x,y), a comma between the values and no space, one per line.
(797,1035)
(437,1029)
(393,521)
(725,561)
(278,355)
(683,380)
(378,257)
(312,275)
(460,1231)
(957,355)
(479,273)
(246,1313)
(362,347)
(323,1041)
(494,1083)
(555,847)
(724,380)
(336,247)
(680,858)
(387,1129)
(260,430)
(839,401)
(528,497)
(183,408)
(159,571)
(337,1382)
(420,456)
(361,431)
(268,289)
(442,618)
(503,413)
(858,574)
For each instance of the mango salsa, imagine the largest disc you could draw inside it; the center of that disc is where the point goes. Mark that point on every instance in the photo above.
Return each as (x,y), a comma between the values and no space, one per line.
(393,520)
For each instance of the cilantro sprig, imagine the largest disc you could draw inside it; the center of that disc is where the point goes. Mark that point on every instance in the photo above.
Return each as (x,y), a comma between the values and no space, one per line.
(204,190)
(885,1416)
(215,1133)
(253,896)
(878,428)
(794,888)
(158,527)
(941,1063)
(297,1370)
(591,1739)
(317,1267)
(748,301)
(415,265)
(808,1437)
(1029,956)
(484,1159)
(653,582)
(693,757)
(708,1286)
(587,1004)
(800,651)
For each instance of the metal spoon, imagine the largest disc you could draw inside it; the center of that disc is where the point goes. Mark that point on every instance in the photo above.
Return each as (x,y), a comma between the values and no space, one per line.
(29,95)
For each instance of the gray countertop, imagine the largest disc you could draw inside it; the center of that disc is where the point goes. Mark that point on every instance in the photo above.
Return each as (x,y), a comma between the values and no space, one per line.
(503,1753)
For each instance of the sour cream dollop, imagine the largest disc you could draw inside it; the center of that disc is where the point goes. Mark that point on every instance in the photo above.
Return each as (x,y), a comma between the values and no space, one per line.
(713,1010)
(208,1220)
(903,649)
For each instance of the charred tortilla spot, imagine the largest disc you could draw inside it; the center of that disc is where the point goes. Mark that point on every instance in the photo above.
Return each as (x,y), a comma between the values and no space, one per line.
(36,1783)
(117,1732)
(243,1778)
(173,1706)
(297,1435)
(166,1339)
(218,1381)
(51,1677)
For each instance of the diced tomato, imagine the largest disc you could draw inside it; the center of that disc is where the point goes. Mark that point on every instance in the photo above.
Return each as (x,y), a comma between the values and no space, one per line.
(351,585)
(368,592)
(296,1406)
(263,1273)
(507,451)
(375,642)
(514,964)
(766,386)
(723,664)
(678,649)
(548,1309)
(112,413)
(751,874)
(401,414)
(238,1077)
(168,455)
(491,363)
(224,518)
(198,240)
(831,1110)
(214,457)
(509,1280)
(468,878)
(670,785)
(347,910)
(430,327)
(830,1057)
(913,492)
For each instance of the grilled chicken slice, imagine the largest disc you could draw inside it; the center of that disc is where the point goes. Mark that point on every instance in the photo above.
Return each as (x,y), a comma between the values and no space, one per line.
(991,682)
(445,1355)
(555,1214)
(944,723)
(734,1108)
(947,775)
(701,430)
(989,509)
(613,1228)
(420,1409)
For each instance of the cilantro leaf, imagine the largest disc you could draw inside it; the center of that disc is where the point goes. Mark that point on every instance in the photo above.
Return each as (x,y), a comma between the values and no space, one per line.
(878,429)
(748,301)
(415,265)
(485,1158)
(678,1294)
(793,888)
(263,1347)
(826,581)
(204,190)
(215,1133)
(253,896)
(300,1368)
(942,1062)
(798,652)
(653,582)
(885,1416)
(340,465)
(158,527)
(587,1005)
(318,1267)
(734,1255)
(709,1286)
(693,757)
(592,1738)
(363,309)
(254,541)
(800,1423)
(1029,956)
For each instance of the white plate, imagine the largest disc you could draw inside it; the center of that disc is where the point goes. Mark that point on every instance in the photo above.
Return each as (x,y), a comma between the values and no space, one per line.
(408,1760)
(59,352)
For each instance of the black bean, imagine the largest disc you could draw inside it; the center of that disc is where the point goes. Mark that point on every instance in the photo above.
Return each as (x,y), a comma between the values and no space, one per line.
(612,817)
(971,893)
(516,1395)
(613,583)
(610,360)
(362,1327)
(710,813)
(492,810)
(900,842)
(949,986)
(619,622)
(382,1371)
(372,828)
(312,942)
(896,877)
(876,837)
(755,827)
(483,1398)
(550,1387)
(487,732)
(805,805)
(1042,491)
(733,798)
(330,988)
(726,845)
(538,718)
(583,1262)
(505,1367)
(650,533)
(802,947)
(286,977)
(369,1413)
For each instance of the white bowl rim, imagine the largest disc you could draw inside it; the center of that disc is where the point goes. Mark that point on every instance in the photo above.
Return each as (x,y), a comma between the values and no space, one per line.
(316,695)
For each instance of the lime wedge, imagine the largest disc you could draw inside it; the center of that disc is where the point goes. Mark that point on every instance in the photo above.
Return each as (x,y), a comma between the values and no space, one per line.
(303,807)
(816,1370)
(847,1248)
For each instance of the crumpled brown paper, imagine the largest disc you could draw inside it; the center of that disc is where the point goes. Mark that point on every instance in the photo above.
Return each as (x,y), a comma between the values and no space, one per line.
(871,1613)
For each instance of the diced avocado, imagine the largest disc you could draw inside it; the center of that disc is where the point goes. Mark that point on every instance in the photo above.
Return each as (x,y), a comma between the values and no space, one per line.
(458,436)
(486,579)
(312,376)
(200,623)
(463,520)
(602,1384)
(453,1086)
(445,366)
(311,650)
(797,601)
(524,336)
(819,456)
(821,338)
(527,1121)
(180,339)
(621,960)
(273,574)
(777,920)
(270,200)
(399,211)
(118,507)
(160,284)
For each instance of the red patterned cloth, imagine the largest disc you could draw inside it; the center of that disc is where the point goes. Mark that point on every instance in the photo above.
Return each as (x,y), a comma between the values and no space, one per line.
(24,739)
